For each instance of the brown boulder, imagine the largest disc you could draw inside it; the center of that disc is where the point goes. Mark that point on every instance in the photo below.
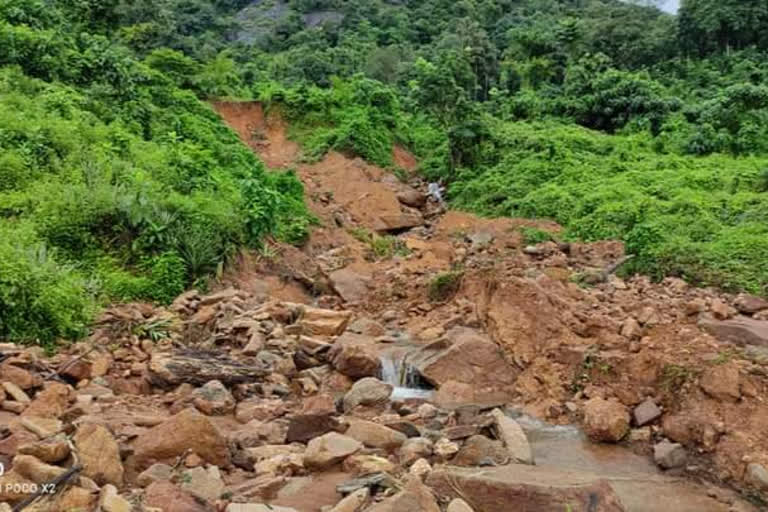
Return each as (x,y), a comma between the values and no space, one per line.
(368,391)
(169,498)
(323,322)
(329,449)
(750,304)
(351,286)
(19,376)
(415,497)
(531,488)
(99,454)
(479,450)
(49,450)
(187,431)
(375,435)
(605,420)
(354,355)
(304,427)
(513,437)
(213,399)
(412,197)
(51,402)
(722,382)
(741,330)
(399,221)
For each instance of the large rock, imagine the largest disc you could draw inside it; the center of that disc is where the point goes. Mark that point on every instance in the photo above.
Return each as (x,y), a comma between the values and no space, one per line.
(479,450)
(368,391)
(205,483)
(198,367)
(741,330)
(412,197)
(722,382)
(353,502)
(323,322)
(458,505)
(187,431)
(361,465)
(399,221)
(355,355)
(351,286)
(414,449)
(169,498)
(513,437)
(523,487)
(375,435)
(48,450)
(465,357)
(35,470)
(757,476)
(669,455)
(51,402)
(330,449)
(605,420)
(304,427)
(415,497)
(99,454)
(750,304)
(646,412)
(213,399)
(19,376)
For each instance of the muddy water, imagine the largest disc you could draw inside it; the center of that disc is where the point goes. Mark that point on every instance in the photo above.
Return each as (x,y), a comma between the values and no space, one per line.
(405,380)
(641,486)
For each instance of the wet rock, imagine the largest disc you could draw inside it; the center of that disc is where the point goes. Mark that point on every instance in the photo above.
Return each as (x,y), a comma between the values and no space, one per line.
(740,331)
(415,497)
(353,502)
(154,473)
(375,435)
(329,449)
(513,437)
(354,355)
(360,465)
(305,427)
(323,322)
(605,420)
(169,498)
(413,449)
(368,391)
(527,487)
(646,412)
(99,454)
(479,450)
(205,483)
(669,455)
(48,450)
(458,505)
(722,382)
(750,304)
(186,431)
(757,476)
(213,399)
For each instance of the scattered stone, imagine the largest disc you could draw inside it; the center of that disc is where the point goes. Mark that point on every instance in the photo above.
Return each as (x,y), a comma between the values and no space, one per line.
(646,412)
(205,483)
(757,476)
(721,310)
(355,356)
(51,402)
(427,411)
(413,449)
(375,435)
(169,498)
(42,427)
(412,197)
(351,286)
(99,454)
(669,455)
(213,399)
(631,329)
(304,427)
(323,322)
(445,449)
(640,435)
(35,470)
(368,391)
(154,473)
(740,331)
(330,449)
(360,465)
(187,431)
(513,437)
(353,502)
(48,450)
(16,392)
(722,382)
(20,377)
(415,497)
(605,420)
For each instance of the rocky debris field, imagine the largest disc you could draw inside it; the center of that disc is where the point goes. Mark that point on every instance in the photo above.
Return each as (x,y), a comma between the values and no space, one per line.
(545,382)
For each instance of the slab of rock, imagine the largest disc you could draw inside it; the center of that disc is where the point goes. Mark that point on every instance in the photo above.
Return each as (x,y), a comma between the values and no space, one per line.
(469,358)
(741,330)
(99,454)
(49,450)
(412,197)
(213,399)
(187,431)
(669,455)
(368,391)
(479,450)
(757,476)
(351,286)
(413,449)
(205,483)
(154,473)
(51,402)
(646,413)
(353,502)
(42,427)
(111,501)
(15,392)
(330,449)
(323,322)
(399,221)
(36,470)
(375,435)
(361,465)
(531,488)
(458,505)
(415,497)
(304,427)
(750,304)
(198,367)
(355,355)
(722,382)
(22,378)
(605,420)
(169,498)
(513,437)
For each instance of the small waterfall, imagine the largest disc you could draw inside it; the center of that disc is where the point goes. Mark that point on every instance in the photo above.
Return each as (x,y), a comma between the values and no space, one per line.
(406,381)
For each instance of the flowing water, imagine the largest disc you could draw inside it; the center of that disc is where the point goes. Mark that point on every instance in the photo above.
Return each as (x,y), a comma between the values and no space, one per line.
(406,381)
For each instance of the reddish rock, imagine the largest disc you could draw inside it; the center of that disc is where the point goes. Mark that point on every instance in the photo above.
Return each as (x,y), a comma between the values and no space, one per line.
(323,322)
(19,376)
(305,427)
(749,304)
(374,435)
(740,331)
(605,420)
(721,310)
(169,498)
(722,382)
(99,454)
(355,355)
(51,402)
(415,497)
(646,412)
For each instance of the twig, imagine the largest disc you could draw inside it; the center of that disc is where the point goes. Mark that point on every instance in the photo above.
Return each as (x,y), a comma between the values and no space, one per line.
(610,269)
(43,489)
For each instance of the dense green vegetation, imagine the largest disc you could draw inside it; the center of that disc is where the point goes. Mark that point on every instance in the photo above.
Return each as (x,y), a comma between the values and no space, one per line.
(118,182)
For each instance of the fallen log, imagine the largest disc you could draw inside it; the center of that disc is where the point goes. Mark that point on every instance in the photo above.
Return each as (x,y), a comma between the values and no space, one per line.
(196,367)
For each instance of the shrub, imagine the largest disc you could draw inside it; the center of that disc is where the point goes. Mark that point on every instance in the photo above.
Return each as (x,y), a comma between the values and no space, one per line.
(443,286)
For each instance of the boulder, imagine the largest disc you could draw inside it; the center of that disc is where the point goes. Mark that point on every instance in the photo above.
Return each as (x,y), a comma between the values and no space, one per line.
(99,454)
(48,450)
(351,286)
(531,488)
(15,392)
(375,435)
(757,476)
(646,412)
(35,470)
(465,357)
(198,367)
(399,221)
(741,330)
(750,304)
(213,399)
(323,322)
(186,431)
(330,449)
(354,355)
(368,391)
(513,437)
(111,501)
(304,427)
(205,483)
(605,420)
(415,497)
(458,505)
(360,465)
(51,402)
(154,473)
(722,382)
(169,498)
(479,450)
(413,449)
(353,502)
(19,376)
(412,197)
(75,499)
(669,455)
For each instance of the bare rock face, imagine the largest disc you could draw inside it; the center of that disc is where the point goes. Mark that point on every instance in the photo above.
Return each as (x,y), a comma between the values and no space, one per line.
(605,420)
(527,487)
(722,382)
(187,431)
(465,358)
(367,391)
(99,454)
(354,355)
(329,449)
